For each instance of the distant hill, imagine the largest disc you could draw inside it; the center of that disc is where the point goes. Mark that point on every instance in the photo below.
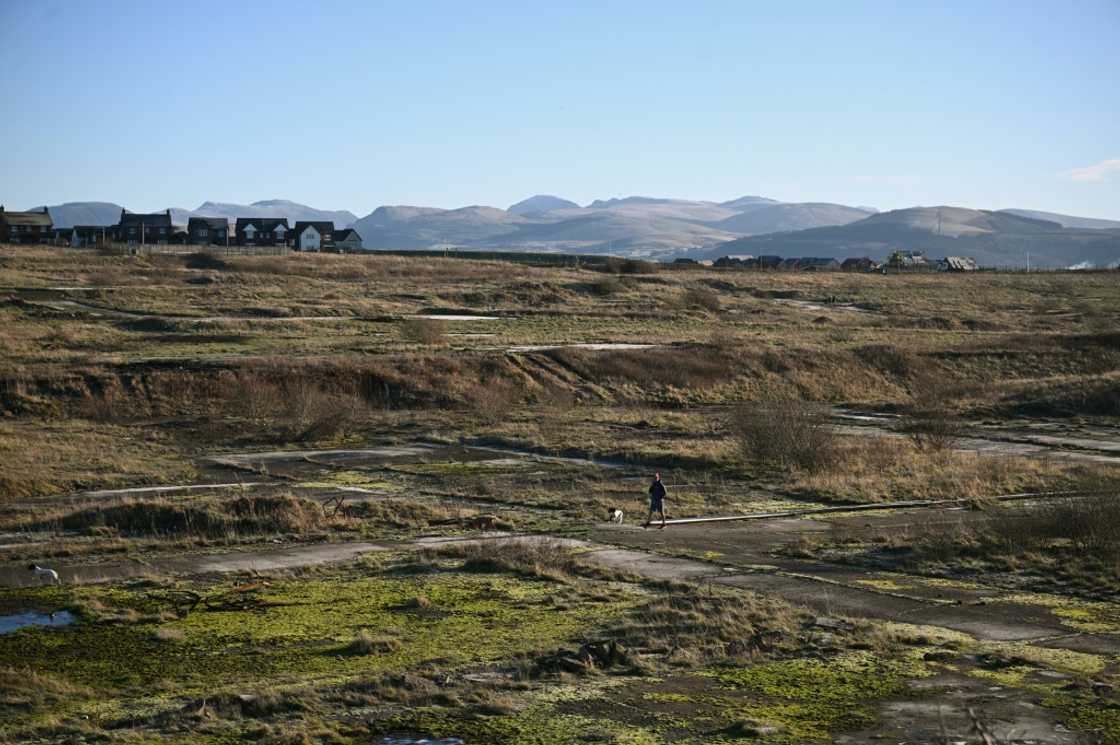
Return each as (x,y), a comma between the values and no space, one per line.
(773,218)
(541,203)
(83,213)
(992,238)
(1067,221)
(651,227)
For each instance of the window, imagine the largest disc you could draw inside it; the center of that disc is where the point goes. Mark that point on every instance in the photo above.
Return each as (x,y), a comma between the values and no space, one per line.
(202,233)
(163,231)
(132,231)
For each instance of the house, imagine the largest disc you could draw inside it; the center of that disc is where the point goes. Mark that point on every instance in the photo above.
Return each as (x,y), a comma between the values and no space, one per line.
(914,261)
(262,231)
(737,261)
(25,227)
(769,262)
(313,235)
(85,235)
(347,240)
(145,229)
(859,264)
(814,264)
(208,231)
(957,264)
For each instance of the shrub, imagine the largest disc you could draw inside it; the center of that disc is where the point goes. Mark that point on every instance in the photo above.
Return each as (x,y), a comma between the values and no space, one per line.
(205,260)
(787,432)
(701,298)
(423,331)
(606,287)
(932,428)
(616,265)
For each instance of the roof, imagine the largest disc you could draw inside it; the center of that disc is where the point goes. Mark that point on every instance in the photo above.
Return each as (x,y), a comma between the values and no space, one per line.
(42,219)
(323,226)
(346,234)
(960,263)
(157,219)
(218,223)
(267,224)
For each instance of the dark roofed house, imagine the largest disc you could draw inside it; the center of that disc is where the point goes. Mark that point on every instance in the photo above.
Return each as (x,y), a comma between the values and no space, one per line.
(313,235)
(208,231)
(347,240)
(859,264)
(26,227)
(85,235)
(145,229)
(814,264)
(262,231)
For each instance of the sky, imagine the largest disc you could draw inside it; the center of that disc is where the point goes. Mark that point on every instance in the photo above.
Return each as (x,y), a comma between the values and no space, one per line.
(350,104)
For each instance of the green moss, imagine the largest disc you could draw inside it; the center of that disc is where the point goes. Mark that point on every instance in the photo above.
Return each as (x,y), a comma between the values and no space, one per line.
(300,632)
(1082,615)
(812,698)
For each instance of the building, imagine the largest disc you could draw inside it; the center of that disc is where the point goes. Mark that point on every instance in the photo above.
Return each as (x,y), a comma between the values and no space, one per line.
(208,231)
(262,231)
(26,227)
(145,229)
(859,264)
(814,264)
(347,241)
(914,261)
(313,236)
(957,264)
(78,236)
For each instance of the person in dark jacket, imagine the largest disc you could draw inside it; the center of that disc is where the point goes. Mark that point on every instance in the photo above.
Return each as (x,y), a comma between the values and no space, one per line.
(656,500)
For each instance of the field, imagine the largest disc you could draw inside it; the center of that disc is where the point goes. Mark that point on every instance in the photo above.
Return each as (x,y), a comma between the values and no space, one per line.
(364,499)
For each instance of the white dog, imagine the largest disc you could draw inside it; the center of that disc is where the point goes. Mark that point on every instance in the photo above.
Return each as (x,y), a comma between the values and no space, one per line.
(615,515)
(48,574)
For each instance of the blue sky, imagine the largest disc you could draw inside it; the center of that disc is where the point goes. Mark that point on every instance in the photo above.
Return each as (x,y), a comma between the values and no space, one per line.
(349,105)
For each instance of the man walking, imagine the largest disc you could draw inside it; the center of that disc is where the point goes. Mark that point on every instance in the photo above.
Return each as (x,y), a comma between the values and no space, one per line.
(656,500)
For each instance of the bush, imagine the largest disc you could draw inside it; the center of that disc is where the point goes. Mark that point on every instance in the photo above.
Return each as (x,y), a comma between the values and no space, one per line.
(606,287)
(701,298)
(616,265)
(423,331)
(205,260)
(932,428)
(787,433)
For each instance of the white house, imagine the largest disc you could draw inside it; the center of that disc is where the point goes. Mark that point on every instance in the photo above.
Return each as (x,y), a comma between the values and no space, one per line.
(313,236)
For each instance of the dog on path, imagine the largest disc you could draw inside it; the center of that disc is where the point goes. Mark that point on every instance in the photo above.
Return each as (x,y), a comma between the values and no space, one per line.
(615,515)
(50,575)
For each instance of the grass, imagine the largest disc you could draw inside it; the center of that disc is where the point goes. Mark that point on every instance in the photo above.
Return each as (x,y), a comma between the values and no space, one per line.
(163,360)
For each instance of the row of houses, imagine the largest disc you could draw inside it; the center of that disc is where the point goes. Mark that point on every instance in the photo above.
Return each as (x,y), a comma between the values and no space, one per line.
(898,261)
(156,228)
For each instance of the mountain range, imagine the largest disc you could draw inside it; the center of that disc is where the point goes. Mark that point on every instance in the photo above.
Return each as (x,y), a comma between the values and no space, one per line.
(993,238)
(660,228)
(636,226)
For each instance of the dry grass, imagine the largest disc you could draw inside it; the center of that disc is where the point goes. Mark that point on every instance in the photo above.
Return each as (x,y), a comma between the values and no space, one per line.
(877,469)
(233,518)
(428,331)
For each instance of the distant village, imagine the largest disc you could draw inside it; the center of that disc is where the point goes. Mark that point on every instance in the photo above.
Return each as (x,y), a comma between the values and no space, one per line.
(156,228)
(915,261)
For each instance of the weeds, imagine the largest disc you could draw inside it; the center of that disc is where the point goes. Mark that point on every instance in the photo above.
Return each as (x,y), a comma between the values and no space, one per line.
(787,433)
(429,331)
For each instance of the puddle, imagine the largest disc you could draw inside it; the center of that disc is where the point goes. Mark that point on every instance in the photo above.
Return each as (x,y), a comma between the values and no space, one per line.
(17,621)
